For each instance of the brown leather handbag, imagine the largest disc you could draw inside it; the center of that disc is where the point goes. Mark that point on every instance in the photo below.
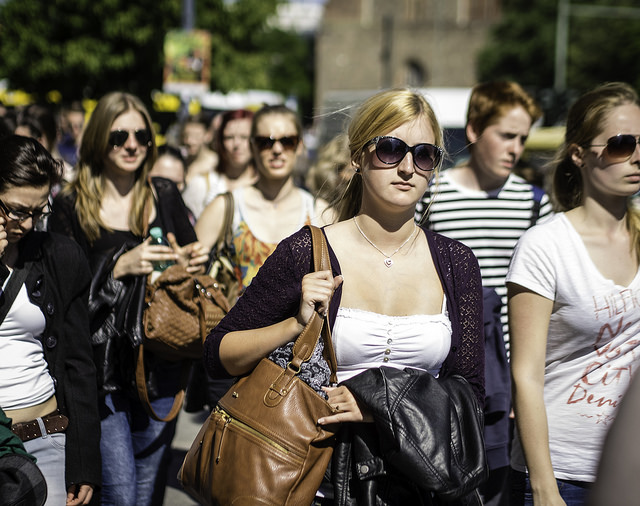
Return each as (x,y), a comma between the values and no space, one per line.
(262,444)
(180,310)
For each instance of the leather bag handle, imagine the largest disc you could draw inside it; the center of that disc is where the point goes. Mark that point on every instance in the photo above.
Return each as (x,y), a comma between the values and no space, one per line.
(308,338)
(306,342)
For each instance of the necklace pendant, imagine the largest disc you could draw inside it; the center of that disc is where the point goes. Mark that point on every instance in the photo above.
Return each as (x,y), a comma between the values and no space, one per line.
(388,262)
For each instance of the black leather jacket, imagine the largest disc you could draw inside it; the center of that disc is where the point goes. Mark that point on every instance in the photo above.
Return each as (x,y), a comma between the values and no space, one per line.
(425,447)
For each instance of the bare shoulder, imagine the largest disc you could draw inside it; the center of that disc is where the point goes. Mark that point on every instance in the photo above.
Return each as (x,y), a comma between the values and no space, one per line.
(339,234)
(323,214)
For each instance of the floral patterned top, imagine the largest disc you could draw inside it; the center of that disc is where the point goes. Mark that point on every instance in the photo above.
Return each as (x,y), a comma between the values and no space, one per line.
(249,252)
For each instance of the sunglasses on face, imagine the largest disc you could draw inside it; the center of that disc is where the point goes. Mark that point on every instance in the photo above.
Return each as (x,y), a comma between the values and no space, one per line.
(117,138)
(391,151)
(21,216)
(620,148)
(289,142)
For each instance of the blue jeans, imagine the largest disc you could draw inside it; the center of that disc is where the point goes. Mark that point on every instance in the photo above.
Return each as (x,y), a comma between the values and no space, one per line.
(136,451)
(574,493)
(49,451)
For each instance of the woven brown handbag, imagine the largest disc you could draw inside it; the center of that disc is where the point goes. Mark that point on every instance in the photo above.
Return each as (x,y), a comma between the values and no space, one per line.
(180,310)
(262,444)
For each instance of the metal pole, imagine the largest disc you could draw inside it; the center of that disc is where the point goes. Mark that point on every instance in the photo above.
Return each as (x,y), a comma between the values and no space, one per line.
(387,47)
(188,14)
(562,41)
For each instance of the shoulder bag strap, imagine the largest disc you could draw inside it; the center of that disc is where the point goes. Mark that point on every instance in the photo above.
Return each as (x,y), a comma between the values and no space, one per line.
(226,234)
(143,394)
(16,280)
(538,193)
(306,342)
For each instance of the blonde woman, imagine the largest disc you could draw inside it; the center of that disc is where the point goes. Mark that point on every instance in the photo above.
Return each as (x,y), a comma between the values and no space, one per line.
(403,299)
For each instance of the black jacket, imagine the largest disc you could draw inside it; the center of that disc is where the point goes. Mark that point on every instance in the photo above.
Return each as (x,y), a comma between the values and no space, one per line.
(424,447)
(115,305)
(58,283)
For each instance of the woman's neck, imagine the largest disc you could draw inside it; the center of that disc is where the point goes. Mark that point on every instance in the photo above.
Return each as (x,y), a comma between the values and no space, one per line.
(275,190)
(597,216)
(239,176)
(385,228)
(118,186)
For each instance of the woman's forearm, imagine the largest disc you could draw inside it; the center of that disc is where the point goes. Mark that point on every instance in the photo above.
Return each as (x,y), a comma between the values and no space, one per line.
(531,419)
(241,350)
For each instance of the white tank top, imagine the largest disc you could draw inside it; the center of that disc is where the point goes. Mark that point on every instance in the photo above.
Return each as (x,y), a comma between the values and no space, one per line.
(24,373)
(365,340)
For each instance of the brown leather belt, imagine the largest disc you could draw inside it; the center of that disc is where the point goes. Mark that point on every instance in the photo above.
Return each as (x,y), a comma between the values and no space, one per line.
(53,423)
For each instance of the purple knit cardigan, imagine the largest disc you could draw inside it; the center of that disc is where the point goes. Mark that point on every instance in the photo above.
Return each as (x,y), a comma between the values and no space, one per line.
(274,295)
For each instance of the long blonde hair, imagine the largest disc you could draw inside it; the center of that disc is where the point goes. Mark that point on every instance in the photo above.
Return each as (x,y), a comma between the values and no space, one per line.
(585,121)
(90,182)
(378,115)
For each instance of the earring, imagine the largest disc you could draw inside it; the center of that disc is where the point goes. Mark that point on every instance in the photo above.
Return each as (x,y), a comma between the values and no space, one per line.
(357,170)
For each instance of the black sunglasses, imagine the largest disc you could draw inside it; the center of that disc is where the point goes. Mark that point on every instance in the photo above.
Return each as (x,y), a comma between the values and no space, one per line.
(391,150)
(620,148)
(21,216)
(117,138)
(289,142)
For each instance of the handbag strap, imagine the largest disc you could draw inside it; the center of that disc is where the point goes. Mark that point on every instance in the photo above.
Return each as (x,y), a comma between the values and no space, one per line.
(16,280)
(143,394)
(306,342)
(308,338)
(226,234)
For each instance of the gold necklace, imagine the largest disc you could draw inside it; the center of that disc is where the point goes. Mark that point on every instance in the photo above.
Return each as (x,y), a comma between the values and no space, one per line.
(387,258)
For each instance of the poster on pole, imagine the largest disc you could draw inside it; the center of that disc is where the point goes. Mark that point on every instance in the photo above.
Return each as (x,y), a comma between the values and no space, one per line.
(187,62)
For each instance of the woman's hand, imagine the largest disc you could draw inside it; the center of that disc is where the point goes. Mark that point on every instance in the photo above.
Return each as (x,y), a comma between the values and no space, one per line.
(3,236)
(139,260)
(549,497)
(317,290)
(192,256)
(79,494)
(348,409)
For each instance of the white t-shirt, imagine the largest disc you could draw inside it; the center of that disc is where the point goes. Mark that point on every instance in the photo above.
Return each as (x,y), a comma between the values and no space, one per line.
(594,332)
(24,373)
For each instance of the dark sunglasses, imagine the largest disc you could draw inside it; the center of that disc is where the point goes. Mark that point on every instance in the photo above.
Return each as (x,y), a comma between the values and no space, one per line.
(117,138)
(21,216)
(290,142)
(391,150)
(620,148)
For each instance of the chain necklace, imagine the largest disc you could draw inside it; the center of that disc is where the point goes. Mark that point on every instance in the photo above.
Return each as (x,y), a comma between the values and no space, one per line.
(387,258)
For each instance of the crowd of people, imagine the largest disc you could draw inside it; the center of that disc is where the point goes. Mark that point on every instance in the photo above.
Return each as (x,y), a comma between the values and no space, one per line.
(472,272)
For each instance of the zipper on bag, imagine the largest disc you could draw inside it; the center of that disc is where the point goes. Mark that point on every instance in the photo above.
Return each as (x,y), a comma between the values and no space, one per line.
(228,419)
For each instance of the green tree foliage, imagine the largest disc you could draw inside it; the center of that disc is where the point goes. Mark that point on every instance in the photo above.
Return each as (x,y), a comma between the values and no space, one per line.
(522,48)
(248,52)
(84,48)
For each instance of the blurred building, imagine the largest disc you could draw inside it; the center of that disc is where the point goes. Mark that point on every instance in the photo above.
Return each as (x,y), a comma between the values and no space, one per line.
(374,44)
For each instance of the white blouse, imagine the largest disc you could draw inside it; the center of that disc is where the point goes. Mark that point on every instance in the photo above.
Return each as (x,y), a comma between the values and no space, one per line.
(365,340)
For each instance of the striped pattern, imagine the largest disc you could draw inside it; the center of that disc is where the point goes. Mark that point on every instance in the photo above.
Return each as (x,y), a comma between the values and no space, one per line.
(489,224)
